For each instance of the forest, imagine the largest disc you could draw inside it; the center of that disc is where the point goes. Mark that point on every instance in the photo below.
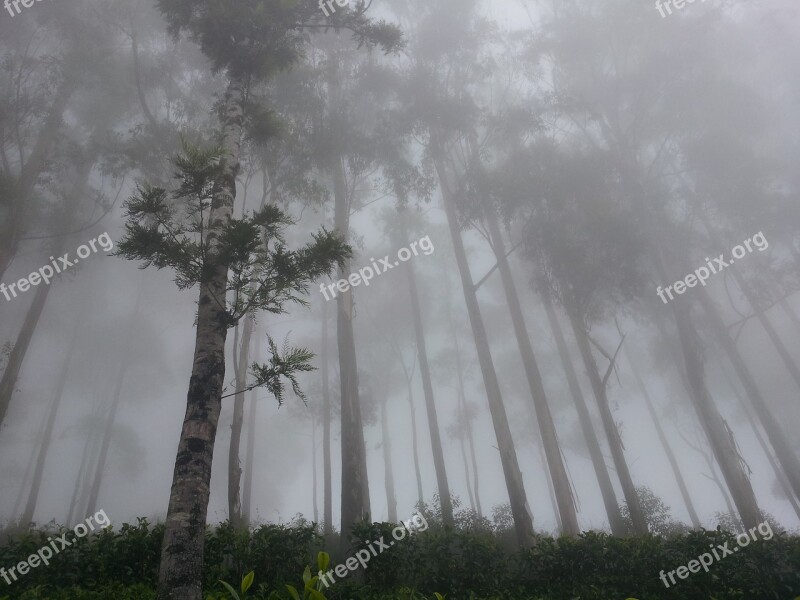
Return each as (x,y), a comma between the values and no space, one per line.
(399,300)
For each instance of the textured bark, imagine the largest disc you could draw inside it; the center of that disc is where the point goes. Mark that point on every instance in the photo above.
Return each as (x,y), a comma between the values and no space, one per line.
(249,465)
(719,435)
(234,464)
(610,503)
(786,456)
(47,436)
(523,522)
(388,470)
(355,484)
(430,404)
(662,438)
(544,418)
(181,569)
(609,425)
(327,504)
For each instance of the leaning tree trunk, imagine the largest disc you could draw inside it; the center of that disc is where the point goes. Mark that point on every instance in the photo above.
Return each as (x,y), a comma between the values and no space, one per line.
(47,436)
(544,418)
(234,464)
(430,404)
(719,434)
(662,438)
(327,504)
(615,520)
(610,426)
(355,484)
(181,568)
(523,522)
(786,456)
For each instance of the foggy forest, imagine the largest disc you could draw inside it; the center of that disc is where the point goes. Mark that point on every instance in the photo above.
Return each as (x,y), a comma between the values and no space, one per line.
(399,300)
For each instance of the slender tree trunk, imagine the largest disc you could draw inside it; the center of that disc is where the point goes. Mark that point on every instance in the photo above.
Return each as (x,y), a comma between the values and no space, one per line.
(523,522)
(787,308)
(467,476)
(719,434)
(462,396)
(47,437)
(11,229)
(234,464)
(779,474)
(314,485)
(430,404)
(327,508)
(414,440)
(551,492)
(391,497)
(247,488)
(615,519)
(87,460)
(662,438)
(544,418)
(786,456)
(116,401)
(181,569)
(610,426)
(355,484)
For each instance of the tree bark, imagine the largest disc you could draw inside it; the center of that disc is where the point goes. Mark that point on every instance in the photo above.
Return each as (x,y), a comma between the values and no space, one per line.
(615,519)
(544,418)
(234,464)
(181,569)
(327,505)
(786,456)
(610,426)
(523,522)
(414,438)
(388,474)
(430,404)
(662,438)
(355,483)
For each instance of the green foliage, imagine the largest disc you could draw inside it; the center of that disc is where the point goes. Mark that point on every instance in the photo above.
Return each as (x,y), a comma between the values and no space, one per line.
(452,563)
(656,514)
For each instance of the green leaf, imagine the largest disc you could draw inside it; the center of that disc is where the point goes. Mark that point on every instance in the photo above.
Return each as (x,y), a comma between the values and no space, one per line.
(293,592)
(323,561)
(315,595)
(248,581)
(307,575)
(230,589)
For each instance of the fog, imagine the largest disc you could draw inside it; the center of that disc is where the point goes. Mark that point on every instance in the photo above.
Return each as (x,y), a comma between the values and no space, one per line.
(596,157)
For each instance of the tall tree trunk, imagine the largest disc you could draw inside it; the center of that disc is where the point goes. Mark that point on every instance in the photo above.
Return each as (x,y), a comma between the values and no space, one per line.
(523,522)
(181,569)
(80,488)
(116,401)
(467,475)
(551,492)
(462,397)
(11,229)
(47,437)
(17,357)
(544,418)
(719,434)
(787,308)
(314,485)
(247,487)
(662,438)
(391,497)
(414,438)
(779,474)
(355,484)
(615,519)
(786,456)
(430,404)
(610,426)
(234,464)
(327,507)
